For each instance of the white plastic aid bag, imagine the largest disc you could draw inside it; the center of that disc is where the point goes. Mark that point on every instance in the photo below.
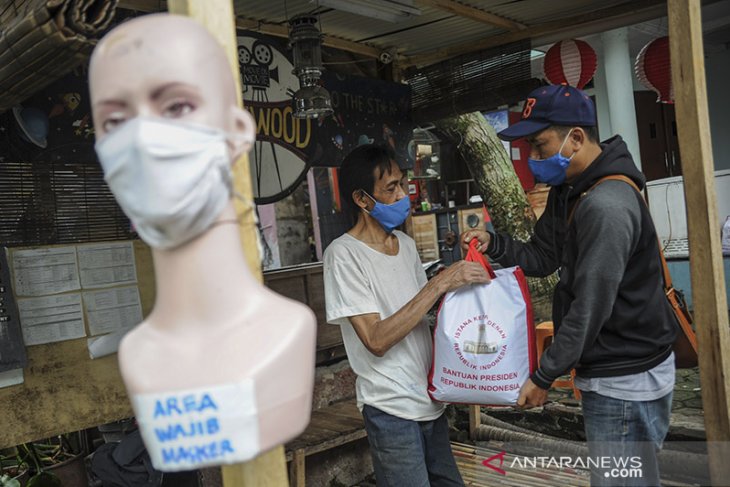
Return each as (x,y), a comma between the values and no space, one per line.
(484,344)
(726,237)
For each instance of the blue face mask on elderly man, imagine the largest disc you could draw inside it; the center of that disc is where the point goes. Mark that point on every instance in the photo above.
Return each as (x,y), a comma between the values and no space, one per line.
(392,215)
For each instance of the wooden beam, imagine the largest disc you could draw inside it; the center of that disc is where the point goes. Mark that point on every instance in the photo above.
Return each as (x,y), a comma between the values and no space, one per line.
(706,264)
(269,468)
(143,5)
(595,21)
(473,13)
(269,28)
(475,420)
(297,472)
(279,30)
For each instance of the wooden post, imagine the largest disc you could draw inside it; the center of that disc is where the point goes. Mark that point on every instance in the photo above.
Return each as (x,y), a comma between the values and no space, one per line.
(297,472)
(218,17)
(706,266)
(475,420)
(268,469)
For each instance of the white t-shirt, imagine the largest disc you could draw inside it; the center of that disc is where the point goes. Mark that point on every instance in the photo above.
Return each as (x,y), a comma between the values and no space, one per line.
(360,280)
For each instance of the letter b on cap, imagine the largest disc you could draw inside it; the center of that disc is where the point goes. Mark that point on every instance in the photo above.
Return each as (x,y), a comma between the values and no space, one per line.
(527,111)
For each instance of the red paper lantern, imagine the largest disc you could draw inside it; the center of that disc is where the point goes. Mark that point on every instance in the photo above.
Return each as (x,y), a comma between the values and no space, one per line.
(654,70)
(570,62)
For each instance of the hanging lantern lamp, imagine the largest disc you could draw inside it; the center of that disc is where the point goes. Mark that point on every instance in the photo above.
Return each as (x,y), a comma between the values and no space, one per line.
(571,62)
(654,69)
(311,100)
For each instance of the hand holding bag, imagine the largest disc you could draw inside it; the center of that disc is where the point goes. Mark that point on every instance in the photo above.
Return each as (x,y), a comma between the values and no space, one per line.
(484,344)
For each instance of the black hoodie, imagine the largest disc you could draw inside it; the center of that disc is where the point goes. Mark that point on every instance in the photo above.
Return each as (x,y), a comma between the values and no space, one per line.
(610,314)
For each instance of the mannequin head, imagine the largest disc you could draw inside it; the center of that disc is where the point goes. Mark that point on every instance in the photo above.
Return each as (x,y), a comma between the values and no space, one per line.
(166,66)
(168,126)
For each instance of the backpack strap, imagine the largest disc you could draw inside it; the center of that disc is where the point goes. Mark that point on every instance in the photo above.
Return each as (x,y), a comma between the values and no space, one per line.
(630,182)
(612,177)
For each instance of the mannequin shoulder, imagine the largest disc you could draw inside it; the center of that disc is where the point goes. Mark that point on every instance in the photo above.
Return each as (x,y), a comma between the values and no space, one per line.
(138,338)
(277,308)
(140,356)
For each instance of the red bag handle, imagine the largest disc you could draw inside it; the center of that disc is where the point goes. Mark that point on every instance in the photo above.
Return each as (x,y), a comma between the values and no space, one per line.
(473,255)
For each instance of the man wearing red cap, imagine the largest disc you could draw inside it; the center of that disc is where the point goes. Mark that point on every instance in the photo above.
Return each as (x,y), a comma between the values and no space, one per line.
(612,322)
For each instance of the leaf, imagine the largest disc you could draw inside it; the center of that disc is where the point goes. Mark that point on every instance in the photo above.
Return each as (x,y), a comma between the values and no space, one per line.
(44,479)
(6,481)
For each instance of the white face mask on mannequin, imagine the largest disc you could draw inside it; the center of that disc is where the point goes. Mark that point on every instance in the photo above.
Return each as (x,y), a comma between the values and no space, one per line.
(171,179)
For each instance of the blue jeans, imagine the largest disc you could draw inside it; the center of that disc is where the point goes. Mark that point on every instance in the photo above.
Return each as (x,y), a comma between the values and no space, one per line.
(631,432)
(410,453)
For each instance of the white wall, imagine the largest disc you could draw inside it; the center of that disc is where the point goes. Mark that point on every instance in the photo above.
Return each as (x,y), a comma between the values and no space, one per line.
(717,70)
(600,91)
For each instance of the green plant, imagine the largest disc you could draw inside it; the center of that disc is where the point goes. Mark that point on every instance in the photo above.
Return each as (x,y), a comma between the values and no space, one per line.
(12,466)
(7,481)
(43,455)
(49,452)
(35,458)
(44,479)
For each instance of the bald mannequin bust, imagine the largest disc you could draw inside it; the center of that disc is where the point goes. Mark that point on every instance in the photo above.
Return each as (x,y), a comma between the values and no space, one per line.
(222,368)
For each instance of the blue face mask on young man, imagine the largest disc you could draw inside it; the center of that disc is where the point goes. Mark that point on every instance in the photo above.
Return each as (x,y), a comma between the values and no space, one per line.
(392,215)
(552,169)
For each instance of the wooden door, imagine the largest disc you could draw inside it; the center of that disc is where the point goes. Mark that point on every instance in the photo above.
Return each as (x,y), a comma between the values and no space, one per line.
(652,137)
(670,133)
(659,146)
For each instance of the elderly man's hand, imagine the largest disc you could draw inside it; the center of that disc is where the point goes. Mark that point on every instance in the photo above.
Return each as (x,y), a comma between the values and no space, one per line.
(531,395)
(460,274)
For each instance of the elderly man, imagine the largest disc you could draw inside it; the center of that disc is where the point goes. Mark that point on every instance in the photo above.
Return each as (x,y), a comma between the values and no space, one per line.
(376,290)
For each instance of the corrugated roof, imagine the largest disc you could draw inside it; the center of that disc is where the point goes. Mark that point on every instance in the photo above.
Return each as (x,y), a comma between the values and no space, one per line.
(532,12)
(337,23)
(454,30)
(432,30)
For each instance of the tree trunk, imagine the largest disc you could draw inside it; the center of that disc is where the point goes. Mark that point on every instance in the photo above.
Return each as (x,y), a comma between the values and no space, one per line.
(494,174)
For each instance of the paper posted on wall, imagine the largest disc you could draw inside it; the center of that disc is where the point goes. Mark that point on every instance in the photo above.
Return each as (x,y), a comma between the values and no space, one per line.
(484,345)
(50,319)
(112,310)
(106,264)
(40,272)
